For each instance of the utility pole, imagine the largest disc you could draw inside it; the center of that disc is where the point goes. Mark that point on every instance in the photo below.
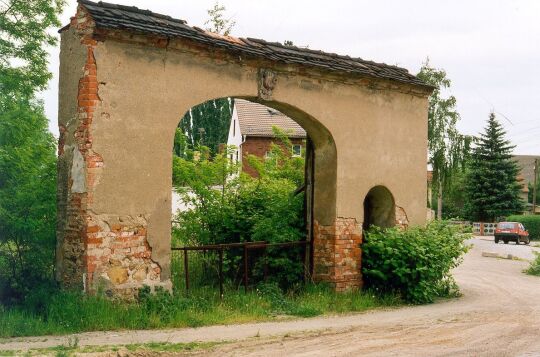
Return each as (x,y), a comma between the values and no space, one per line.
(536,162)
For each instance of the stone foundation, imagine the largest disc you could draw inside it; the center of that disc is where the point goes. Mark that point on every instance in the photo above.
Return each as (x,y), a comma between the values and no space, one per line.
(337,254)
(118,255)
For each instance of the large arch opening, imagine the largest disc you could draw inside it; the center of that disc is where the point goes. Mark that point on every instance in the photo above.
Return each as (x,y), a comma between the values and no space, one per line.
(229,134)
(379,208)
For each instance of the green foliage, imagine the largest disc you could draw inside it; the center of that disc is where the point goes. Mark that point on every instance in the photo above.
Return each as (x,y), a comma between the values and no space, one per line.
(531,192)
(454,196)
(415,263)
(27,198)
(534,267)
(530,222)
(228,206)
(206,124)
(217,22)
(492,188)
(24,36)
(448,150)
(69,312)
(27,149)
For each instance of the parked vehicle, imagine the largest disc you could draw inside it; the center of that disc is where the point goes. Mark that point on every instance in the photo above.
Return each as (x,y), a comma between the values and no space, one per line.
(511,231)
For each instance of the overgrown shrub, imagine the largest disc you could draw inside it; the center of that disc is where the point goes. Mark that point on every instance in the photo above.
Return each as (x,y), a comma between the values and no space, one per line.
(530,222)
(414,263)
(534,267)
(229,206)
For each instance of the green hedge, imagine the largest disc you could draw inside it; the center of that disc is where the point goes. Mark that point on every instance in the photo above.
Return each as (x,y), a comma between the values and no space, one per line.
(530,222)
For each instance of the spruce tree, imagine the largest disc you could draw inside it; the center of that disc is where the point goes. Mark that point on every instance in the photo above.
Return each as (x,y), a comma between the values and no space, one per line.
(491,186)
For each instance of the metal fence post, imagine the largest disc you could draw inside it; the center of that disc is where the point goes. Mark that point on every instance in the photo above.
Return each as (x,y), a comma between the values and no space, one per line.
(245,268)
(221,273)
(186,269)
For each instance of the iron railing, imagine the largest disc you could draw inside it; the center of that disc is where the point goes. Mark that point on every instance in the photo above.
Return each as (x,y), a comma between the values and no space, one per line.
(246,247)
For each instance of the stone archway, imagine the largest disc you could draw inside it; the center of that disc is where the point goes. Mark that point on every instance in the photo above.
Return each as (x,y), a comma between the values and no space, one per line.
(126,78)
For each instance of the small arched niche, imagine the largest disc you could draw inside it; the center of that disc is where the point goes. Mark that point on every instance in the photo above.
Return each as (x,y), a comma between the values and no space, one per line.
(379,208)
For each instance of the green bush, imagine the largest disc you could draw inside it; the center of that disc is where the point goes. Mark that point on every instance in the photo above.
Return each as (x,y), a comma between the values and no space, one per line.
(414,263)
(229,206)
(534,267)
(530,222)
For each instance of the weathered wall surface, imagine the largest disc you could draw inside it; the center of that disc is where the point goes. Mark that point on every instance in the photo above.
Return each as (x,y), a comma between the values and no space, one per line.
(120,102)
(380,137)
(70,224)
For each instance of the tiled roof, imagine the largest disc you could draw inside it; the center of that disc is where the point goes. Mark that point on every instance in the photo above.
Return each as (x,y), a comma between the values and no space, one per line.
(112,16)
(526,164)
(257,120)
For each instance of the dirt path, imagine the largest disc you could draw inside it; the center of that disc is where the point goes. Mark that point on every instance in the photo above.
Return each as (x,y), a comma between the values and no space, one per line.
(498,315)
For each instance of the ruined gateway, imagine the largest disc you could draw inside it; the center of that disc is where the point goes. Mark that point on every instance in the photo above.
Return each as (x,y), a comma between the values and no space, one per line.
(126,78)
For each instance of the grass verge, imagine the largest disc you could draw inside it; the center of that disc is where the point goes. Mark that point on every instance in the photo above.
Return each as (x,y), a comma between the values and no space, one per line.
(534,267)
(155,347)
(69,312)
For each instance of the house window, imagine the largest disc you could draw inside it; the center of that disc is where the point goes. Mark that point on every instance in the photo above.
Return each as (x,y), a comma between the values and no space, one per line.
(297,150)
(234,128)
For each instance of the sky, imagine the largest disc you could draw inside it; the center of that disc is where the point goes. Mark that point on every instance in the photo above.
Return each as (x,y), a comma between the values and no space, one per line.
(490,49)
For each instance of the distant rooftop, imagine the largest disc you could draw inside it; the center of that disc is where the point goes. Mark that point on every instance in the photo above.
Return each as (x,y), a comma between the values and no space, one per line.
(130,18)
(257,120)
(526,164)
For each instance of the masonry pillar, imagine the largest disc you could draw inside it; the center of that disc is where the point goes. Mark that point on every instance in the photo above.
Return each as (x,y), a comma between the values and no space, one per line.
(95,251)
(337,253)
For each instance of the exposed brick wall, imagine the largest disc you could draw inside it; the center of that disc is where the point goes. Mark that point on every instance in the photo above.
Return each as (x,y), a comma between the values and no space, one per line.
(259,146)
(402,220)
(337,254)
(73,202)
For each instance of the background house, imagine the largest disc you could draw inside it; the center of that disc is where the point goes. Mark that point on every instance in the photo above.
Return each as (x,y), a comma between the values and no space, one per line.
(251,131)
(526,177)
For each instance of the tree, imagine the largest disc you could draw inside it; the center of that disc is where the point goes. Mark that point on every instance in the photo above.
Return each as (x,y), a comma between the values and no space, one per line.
(205,124)
(27,149)
(491,187)
(23,38)
(217,22)
(27,198)
(447,148)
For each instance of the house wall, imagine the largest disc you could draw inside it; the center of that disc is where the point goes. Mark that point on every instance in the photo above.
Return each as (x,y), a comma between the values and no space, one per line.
(121,96)
(259,146)
(235,136)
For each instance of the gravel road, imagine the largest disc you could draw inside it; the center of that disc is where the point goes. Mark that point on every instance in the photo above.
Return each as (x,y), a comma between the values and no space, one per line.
(498,315)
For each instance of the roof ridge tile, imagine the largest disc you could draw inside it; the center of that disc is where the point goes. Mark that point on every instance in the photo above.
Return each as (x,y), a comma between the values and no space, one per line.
(130,18)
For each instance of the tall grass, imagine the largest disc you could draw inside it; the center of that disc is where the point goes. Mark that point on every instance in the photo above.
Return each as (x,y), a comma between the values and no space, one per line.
(68,312)
(60,312)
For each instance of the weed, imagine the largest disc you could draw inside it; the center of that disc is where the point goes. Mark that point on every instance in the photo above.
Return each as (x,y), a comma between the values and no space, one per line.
(534,267)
